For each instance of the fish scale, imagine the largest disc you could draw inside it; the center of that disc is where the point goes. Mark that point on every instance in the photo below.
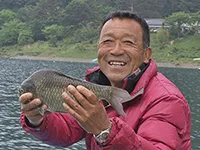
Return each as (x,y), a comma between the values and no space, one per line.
(55,100)
(48,86)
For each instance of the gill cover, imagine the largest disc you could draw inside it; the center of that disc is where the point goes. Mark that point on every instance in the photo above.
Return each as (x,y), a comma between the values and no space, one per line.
(27,86)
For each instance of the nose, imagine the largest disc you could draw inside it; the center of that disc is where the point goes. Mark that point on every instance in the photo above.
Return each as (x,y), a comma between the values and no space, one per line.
(117,49)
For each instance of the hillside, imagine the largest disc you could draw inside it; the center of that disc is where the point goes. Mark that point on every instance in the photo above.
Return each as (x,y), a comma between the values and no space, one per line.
(70,28)
(182,50)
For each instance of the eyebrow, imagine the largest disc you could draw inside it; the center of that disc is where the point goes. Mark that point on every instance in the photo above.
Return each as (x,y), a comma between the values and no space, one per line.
(108,34)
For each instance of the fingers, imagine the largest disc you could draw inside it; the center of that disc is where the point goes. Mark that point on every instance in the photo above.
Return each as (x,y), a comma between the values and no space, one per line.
(32,108)
(71,111)
(25,98)
(32,113)
(84,106)
(33,104)
(72,103)
(78,96)
(79,102)
(72,107)
(83,95)
(28,103)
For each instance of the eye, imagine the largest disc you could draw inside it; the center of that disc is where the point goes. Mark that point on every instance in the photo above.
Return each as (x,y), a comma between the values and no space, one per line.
(107,41)
(129,42)
(21,91)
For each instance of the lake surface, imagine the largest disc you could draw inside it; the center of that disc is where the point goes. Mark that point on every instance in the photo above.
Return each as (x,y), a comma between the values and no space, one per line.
(13,72)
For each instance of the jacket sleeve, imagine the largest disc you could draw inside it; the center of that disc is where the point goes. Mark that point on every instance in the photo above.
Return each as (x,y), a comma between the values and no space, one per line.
(57,129)
(161,127)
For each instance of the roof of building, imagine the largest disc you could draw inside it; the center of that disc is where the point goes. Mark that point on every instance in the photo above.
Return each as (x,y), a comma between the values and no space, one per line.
(152,21)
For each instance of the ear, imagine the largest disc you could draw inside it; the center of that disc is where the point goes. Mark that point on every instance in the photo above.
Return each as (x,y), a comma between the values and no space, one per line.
(147,54)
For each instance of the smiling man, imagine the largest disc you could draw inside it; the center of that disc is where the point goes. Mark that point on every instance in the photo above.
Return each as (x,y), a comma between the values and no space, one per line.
(121,50)
(158,116)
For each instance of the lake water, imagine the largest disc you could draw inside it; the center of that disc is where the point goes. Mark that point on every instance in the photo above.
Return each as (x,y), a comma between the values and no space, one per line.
(13,72)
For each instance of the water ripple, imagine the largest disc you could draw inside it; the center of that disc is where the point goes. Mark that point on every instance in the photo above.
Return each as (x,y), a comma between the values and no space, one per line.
(13,72)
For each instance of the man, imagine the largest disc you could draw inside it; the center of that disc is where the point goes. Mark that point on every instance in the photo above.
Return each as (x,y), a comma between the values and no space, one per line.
(158,116)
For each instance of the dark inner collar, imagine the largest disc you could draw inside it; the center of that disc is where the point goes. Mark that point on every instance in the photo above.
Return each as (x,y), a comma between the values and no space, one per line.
(130,82)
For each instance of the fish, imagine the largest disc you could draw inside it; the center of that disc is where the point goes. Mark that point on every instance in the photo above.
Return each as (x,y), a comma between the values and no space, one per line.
(48,85)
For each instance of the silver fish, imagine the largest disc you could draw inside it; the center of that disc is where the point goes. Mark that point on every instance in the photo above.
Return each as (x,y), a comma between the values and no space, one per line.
(48,86)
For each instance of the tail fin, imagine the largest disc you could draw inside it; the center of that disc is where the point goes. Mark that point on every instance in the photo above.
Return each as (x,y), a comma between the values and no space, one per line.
(118,97)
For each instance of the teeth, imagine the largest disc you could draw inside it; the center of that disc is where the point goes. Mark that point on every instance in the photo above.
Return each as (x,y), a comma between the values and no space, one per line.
(117,63)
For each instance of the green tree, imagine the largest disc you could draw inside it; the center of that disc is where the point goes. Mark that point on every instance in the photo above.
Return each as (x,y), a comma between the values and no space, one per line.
(44,13)
(147,8)
(36,26)
(25,37)
(48,11)
(54,33)
(194,22)
(191,6)
(177,21)
(81,18)
(15,4)
(6,16)
(10,32)
(85,33)
(163,36)
(78,11)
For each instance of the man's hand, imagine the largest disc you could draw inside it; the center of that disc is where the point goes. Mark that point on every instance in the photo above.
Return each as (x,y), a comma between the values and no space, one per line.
(30,107)
(86,109)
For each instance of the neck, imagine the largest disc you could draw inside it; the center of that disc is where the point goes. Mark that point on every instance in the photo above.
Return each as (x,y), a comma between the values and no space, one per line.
(119,85)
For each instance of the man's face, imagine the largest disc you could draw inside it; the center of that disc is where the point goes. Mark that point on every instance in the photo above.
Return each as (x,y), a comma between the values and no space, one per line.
(120,49)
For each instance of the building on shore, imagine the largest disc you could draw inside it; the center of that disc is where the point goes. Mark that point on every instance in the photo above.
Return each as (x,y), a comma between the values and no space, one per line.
(156,23)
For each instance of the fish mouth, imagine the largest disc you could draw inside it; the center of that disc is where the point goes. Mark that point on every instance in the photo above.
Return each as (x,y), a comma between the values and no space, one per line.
(117,63)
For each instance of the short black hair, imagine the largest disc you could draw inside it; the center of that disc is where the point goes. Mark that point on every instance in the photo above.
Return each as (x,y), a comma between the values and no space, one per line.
(130,15)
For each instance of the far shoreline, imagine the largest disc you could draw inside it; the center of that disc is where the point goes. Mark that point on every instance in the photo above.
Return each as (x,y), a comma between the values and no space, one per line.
(49,58)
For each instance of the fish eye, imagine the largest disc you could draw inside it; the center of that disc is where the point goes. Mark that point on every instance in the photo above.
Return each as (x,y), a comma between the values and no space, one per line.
(21,91)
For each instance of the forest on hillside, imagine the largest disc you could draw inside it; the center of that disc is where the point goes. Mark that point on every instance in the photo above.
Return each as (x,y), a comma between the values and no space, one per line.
(145,8)
(27,21)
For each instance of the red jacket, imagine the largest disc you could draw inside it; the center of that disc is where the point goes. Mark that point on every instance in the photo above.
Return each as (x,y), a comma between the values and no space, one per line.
(157,118)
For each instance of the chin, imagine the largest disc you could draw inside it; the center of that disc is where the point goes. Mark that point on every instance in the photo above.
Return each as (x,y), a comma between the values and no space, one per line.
(116,78)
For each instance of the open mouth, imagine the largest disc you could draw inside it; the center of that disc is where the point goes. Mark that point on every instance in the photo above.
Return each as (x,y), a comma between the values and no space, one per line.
(115,63)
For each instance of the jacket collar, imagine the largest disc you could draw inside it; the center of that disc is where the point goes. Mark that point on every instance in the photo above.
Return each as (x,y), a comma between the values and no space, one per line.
(149,73)
(95,75)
